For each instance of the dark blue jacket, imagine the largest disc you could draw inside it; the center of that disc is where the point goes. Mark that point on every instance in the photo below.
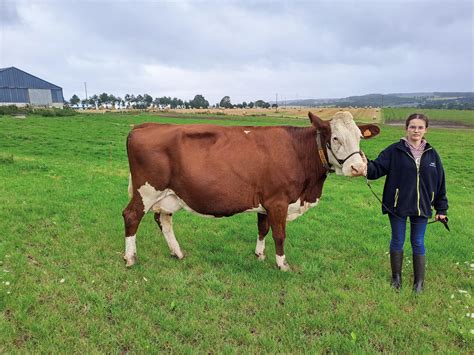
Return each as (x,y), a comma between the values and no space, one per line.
(408,190)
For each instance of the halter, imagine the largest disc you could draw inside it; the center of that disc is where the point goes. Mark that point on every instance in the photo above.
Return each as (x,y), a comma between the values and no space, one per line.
(342,161)
(326,165)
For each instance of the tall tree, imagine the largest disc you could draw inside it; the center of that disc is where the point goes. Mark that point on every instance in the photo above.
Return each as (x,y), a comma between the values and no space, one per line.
(225,102)
(74,100)
(199,102)
(147,100)
(103,99)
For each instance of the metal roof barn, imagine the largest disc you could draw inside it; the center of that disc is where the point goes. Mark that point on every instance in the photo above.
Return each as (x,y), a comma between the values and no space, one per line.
(20,88)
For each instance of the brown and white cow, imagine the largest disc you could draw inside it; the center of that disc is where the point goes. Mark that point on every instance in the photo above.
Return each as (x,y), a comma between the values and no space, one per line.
(218,171)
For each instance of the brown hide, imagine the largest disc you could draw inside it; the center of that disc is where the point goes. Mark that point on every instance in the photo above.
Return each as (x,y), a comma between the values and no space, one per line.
(221,171)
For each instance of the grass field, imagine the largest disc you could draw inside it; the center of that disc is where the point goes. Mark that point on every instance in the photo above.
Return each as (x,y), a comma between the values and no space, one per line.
(445,117)
(64,287)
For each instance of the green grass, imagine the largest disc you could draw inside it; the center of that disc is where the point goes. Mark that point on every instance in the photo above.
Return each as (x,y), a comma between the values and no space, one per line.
(451,117)
(64,287)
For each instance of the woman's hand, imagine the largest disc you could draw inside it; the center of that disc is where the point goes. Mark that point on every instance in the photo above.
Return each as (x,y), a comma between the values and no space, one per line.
(440,217)
(364,159)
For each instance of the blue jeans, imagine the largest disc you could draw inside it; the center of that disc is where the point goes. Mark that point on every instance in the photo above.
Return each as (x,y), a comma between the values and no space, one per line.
(417,233)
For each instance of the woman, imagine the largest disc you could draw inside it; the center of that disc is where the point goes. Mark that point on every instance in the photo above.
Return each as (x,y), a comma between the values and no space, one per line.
(415,183)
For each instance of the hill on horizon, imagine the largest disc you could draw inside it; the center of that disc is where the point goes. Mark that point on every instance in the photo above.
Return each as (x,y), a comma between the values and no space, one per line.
(446,100)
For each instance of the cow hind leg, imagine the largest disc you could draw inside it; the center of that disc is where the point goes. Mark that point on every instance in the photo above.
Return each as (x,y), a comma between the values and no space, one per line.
(132,215)
(263,228)
(277,220)
(165,222)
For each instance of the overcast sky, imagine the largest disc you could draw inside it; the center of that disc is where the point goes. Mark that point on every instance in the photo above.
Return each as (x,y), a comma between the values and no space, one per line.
(248,50)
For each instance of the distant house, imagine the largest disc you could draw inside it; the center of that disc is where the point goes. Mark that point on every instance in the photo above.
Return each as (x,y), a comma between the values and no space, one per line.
(20,88)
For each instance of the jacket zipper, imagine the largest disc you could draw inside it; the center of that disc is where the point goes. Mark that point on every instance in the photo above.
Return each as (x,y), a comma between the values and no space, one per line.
(418,179)
(396,197)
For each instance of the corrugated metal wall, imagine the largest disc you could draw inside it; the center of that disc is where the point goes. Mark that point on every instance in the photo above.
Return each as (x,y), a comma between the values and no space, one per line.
(14,95)
(15,84)
(15,78)
(57,95)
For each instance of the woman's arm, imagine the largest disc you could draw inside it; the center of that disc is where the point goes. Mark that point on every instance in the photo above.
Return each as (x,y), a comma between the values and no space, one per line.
(378,167)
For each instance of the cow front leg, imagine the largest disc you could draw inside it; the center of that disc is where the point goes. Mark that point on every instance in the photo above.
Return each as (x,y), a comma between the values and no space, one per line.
(263,228)
(166,226)
(132,215)
(277,220)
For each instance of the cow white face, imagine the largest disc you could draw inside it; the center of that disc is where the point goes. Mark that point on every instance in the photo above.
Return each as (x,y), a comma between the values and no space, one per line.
(345,140)
(343,149)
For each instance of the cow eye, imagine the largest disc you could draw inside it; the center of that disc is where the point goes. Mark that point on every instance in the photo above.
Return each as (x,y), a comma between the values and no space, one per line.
(335,139)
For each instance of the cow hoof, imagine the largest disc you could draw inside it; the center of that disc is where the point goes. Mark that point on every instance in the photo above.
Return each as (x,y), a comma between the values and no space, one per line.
(260,257)
(284,267)
(130,260)
(179,255)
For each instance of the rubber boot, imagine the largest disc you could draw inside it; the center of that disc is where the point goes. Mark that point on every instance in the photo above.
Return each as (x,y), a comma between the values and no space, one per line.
(419,272)
(396,261)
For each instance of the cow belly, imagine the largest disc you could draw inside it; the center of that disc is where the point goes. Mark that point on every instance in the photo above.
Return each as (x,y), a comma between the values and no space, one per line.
(296,209)
(166,201)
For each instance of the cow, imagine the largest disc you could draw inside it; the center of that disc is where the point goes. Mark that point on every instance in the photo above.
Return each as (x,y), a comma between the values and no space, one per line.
(277,172)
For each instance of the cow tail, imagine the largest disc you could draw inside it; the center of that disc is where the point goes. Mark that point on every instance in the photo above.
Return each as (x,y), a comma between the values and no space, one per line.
(130,185)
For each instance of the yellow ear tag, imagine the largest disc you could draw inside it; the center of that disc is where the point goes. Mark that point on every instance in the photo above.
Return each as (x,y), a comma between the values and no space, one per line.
(367,133)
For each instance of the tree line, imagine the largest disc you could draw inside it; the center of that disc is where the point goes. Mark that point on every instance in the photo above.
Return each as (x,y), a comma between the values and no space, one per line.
(146,101)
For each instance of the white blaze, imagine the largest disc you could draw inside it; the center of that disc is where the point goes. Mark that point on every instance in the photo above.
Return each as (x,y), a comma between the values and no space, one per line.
(344,129)
(130,247)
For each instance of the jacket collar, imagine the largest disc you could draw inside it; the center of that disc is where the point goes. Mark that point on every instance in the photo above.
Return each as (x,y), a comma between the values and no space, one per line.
(402,146)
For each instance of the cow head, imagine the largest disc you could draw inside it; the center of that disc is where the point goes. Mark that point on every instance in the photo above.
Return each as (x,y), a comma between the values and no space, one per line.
(342,142)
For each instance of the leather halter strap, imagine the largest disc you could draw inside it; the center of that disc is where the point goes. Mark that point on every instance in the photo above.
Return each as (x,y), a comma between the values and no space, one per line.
(322,154)
(342,161)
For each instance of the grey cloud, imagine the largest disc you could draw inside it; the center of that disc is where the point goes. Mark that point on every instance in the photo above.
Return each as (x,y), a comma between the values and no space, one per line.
(8,13)
(356,47)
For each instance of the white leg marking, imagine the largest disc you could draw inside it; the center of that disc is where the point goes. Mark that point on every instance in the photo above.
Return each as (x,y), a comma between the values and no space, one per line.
(281,263)
(166,221)
(260,249)
(130,250)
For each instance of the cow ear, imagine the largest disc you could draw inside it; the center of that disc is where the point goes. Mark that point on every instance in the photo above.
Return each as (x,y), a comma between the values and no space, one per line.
(369,130)
(317,122)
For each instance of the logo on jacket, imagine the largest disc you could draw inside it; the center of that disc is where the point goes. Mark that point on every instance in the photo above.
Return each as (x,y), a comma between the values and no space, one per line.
(433,165)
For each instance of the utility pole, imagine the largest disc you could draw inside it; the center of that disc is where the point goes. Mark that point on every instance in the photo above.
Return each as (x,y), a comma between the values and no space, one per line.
(276,102)
(85,87)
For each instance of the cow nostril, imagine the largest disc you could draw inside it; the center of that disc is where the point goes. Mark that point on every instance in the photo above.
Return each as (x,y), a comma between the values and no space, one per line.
(354,169)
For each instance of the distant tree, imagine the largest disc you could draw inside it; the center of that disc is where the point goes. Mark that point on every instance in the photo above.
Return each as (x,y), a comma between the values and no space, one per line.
(147,99)
(119,101)
(165,101)
(244,104)
(103,99)
(225,102)
(74,100)
(199,101)
(251,104)
(111,100)
(94,101)
(262,104)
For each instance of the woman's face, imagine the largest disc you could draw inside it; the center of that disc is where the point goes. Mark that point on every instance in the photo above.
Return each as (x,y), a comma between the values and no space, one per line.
(416,130)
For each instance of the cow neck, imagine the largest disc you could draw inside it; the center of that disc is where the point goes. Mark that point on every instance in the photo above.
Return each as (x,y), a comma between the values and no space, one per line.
(323,153)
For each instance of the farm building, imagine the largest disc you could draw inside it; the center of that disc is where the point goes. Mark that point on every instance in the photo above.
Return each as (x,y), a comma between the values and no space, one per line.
(20,88)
